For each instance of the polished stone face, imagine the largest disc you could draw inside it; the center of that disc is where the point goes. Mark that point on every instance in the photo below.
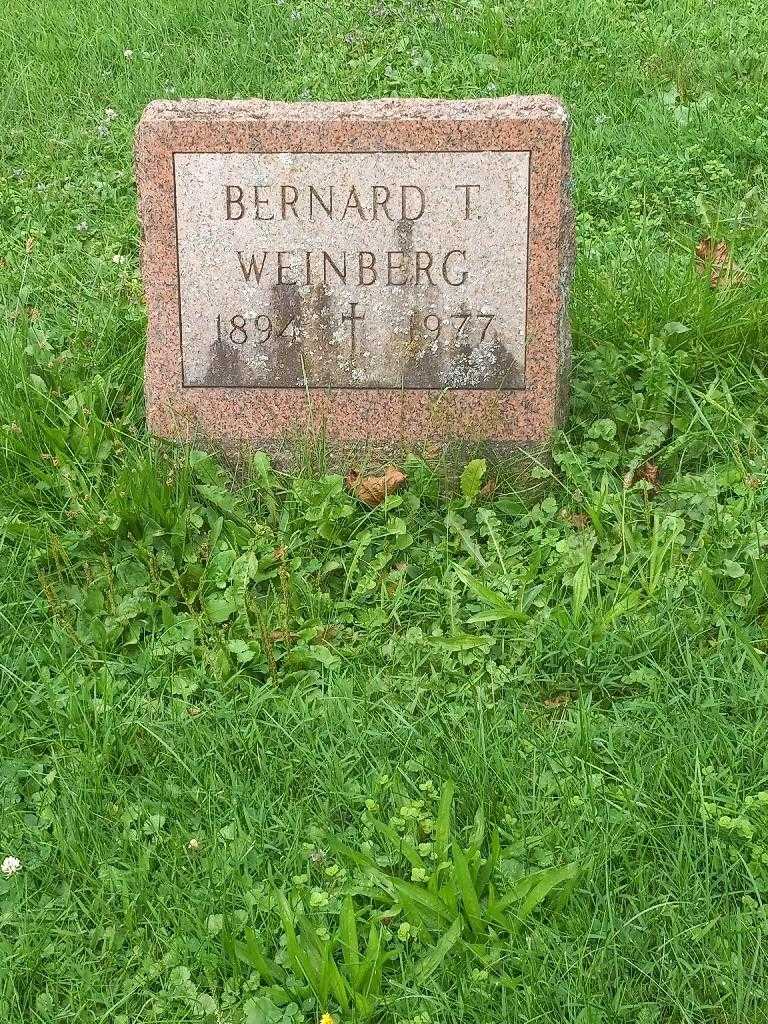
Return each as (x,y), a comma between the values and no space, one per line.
(352,270)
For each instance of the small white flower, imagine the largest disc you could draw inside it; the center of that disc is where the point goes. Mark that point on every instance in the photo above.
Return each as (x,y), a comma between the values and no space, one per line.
(128,54)
(117,258)
(10,866)
(82,226)
(193,845)
(110,114)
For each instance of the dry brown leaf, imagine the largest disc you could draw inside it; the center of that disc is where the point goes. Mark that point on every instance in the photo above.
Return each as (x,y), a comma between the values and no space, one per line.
(489,488)
(714,258)
(396,577)
(30,243)
(372,490)
(282,636)
(328,634)
(649,472)
(578,520)
(558,701)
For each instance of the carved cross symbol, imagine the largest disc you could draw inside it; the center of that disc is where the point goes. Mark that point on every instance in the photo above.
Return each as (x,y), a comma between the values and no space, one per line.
(352,317)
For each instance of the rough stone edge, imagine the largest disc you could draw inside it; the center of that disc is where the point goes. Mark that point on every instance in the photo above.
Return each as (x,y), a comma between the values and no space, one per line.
(567,250)
(399,109)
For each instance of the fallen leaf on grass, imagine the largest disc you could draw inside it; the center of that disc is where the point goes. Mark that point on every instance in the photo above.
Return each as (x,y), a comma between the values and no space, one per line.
(396,577)
(558,701)
(714,258)
(372,490)
(578,520)
(282,636)
(649,472)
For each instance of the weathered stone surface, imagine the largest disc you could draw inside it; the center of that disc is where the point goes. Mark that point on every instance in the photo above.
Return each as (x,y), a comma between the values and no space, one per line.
(390,271)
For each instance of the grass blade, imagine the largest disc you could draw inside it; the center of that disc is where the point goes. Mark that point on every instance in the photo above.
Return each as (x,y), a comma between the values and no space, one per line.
(485,872)
(443,821)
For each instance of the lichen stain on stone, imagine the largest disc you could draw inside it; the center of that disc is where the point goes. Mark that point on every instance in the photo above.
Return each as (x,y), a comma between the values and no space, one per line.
(227,367)
(420,363)
(460,352)
(283,349)
(316,335)
(508,371)
(422,366)
(404,235)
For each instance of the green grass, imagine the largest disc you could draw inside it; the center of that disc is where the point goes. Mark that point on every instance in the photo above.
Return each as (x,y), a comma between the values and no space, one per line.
(266,666)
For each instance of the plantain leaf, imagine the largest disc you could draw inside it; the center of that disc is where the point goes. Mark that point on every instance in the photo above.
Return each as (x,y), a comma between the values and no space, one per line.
(332,979)
(554,877)
(251,952)
(422,898)
(369,975)
(349,941)
(427,967)
(530,891)
(466,886)
(408,850)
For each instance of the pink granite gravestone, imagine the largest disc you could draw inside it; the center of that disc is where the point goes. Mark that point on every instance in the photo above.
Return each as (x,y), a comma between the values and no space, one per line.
(391,272)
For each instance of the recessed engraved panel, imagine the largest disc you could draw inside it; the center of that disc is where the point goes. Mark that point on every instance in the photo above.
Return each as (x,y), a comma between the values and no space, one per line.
(353,270)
